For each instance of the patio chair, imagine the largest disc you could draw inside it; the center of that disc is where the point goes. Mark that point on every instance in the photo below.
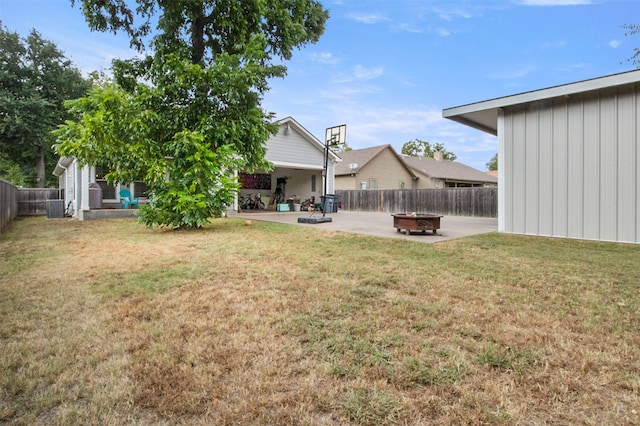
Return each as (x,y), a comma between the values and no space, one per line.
(127,200)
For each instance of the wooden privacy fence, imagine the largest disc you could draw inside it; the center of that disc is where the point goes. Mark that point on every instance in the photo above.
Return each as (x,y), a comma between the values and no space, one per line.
(8,204)
(33,201)
(479,202)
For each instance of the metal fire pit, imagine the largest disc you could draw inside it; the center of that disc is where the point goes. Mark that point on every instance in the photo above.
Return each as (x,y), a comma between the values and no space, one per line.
(416,222)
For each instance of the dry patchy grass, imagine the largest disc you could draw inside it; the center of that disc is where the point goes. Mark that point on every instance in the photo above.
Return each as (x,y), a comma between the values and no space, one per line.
(112,323)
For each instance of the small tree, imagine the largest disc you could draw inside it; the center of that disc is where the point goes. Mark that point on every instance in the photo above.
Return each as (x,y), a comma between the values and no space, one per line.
(420,148)
(493,163)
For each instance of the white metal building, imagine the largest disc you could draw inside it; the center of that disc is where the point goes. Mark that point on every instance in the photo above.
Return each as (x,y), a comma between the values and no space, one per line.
(568,156)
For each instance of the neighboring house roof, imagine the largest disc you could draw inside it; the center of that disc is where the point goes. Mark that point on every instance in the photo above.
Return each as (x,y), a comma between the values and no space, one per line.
(447,170)
(355,159)
(484,115)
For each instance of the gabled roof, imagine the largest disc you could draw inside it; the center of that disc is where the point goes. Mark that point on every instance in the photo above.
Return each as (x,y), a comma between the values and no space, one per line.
(484,115)
(447,170)
(354,160)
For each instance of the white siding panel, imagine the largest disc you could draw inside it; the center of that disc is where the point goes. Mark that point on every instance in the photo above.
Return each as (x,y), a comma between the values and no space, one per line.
(560,181)
(532,171)
(503,183)
(293,148)
(636,144)
(627,189)
(591,183)
(575,170)
(546,168)
(570,166)
(518,159)
(608,167)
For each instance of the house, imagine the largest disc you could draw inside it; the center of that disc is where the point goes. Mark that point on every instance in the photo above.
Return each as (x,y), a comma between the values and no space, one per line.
(569,158)
(298,158)
(435,172)
(380,167)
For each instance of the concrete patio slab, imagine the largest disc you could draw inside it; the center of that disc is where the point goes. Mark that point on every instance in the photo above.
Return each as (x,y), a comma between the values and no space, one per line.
(380,224)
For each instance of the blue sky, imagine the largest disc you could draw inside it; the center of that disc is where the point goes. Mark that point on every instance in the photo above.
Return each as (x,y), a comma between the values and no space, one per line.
(387,68)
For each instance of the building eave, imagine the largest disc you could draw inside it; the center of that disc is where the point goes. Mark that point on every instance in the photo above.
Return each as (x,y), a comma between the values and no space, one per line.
(484,115)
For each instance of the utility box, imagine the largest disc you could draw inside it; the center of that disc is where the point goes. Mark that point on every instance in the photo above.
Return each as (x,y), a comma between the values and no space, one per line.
(55,209)
(95,196)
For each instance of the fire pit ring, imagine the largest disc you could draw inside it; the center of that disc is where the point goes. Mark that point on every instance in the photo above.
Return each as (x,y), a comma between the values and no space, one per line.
(416,222)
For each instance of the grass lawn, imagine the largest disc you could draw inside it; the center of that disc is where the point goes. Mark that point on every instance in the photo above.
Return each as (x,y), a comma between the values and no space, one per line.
(108,322)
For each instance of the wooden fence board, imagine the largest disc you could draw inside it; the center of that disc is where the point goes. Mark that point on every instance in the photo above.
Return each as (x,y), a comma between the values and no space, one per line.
(479,202)
(8,203)
(33,201)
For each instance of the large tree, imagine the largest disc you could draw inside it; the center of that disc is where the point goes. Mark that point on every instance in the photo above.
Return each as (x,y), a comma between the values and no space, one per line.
(420,148)
(35,79)
(191,109)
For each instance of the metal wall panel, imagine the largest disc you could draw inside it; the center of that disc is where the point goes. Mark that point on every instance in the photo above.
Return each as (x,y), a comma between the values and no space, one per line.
(571,166)
(591,177)
(546,166)
(518,208)
(636,143)
(608,201)
(575,170)
(559,181)
(531,169)
(627,189)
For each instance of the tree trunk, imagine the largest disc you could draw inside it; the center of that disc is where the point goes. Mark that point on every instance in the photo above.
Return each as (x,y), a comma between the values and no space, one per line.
(41,179)
(197,38)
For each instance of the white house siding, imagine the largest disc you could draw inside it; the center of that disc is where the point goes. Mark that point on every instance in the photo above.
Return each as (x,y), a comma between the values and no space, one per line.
(283,148)
(297,158)
(570,166)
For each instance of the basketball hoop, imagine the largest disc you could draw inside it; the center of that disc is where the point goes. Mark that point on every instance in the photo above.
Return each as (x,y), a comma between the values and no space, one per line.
(336,136)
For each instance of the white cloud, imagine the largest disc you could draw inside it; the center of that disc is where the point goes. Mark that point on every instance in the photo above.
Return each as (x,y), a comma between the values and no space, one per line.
(554,44)
(407,27)
(452,13)
(324,58)
(363,73)
(442,32)
(553,2)
(572,67)
(358,73)
(615,44)
(514,74)
(370,18)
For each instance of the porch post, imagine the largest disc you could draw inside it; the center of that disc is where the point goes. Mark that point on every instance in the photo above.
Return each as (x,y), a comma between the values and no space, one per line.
(84,188)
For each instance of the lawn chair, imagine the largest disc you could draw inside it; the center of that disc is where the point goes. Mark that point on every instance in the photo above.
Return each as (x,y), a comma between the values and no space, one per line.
(125,198)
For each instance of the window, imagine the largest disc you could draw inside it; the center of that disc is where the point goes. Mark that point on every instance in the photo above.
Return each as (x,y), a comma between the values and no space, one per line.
(108,191)
(140,189)
(402,185)
(373,183)
(313,183)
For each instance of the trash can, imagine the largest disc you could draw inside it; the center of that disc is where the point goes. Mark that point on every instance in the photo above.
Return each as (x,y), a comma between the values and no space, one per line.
(329,204)
(95,196)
